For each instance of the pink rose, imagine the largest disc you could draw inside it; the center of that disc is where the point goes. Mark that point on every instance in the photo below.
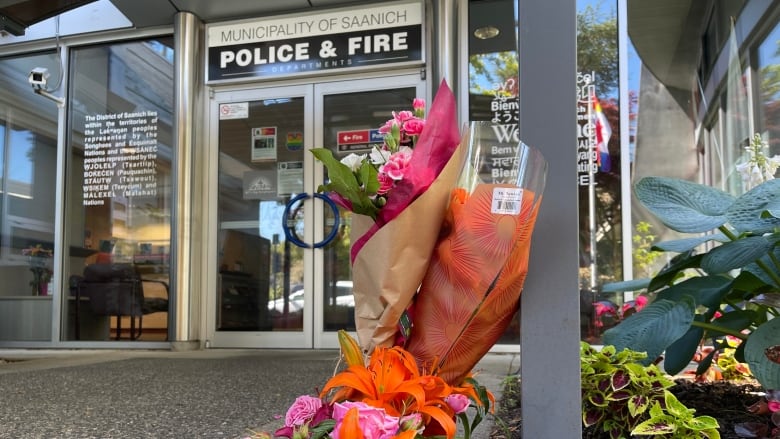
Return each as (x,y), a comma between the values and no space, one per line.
(302,410)
(413,127)
(375,423)
(457,402)
(397,163)
(773,405)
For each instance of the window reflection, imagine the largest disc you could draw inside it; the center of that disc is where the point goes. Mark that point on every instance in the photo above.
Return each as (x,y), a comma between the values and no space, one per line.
(769,73)
(28,157)
(119,192)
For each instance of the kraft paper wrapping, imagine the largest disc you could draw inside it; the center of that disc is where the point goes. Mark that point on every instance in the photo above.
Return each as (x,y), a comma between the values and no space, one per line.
(388,269)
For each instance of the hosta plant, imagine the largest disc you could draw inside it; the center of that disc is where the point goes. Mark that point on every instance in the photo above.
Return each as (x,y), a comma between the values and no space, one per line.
(731,289)
(619,396)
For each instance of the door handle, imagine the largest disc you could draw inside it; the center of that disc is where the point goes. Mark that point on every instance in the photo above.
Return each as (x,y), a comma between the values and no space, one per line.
(289,223)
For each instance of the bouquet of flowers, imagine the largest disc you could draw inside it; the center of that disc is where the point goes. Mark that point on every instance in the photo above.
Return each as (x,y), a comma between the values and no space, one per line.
(387,398)
(399,193)
(439,257)
(41,272)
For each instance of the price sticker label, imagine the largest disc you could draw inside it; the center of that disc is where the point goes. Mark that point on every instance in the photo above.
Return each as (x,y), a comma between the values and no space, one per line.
(506,200)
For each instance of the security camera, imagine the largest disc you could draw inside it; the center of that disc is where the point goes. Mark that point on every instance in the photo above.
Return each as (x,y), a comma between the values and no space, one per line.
(38,77)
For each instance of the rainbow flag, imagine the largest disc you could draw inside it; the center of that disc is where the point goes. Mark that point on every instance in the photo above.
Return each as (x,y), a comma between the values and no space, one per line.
(603,132)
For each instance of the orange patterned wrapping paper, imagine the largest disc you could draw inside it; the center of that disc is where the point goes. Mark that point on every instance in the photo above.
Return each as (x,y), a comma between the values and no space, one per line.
(472,288)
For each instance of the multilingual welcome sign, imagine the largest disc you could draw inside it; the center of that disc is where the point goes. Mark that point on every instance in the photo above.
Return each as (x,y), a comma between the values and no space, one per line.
(316,42)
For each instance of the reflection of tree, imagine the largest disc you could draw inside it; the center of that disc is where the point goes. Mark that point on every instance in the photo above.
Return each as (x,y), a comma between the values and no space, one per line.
(770,98)
(597,48)
(597,53)
(492,69)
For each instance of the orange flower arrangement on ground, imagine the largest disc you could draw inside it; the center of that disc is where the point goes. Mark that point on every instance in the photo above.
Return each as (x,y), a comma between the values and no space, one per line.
(389,398)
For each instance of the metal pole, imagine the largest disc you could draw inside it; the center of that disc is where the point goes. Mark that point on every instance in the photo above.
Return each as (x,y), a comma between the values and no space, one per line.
(550,320)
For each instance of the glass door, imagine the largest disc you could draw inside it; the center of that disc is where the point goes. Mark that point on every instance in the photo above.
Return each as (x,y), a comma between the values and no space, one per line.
(262,137)
(282,272)
(347,120)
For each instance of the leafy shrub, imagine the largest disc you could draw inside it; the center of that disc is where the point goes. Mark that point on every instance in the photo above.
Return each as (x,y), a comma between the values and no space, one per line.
(624,398)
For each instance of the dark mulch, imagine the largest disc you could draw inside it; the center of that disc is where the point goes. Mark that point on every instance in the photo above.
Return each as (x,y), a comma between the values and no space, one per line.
(725,401)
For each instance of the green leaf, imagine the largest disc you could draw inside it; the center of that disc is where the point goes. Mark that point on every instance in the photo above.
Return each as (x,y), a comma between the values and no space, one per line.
(678,264)
(747,281)
(628,285)
(746,213)
(706,290)
(735,254)
(652,330)
(368,176)
(343,181)
(735,320)
(675,408)
(768,262)
(679,354)
(700,423)
(682,205)
(321,430)
(688,244)
(655,426)
(765,371)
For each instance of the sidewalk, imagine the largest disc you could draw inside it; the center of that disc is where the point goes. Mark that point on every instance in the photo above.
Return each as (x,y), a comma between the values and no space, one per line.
(163,394)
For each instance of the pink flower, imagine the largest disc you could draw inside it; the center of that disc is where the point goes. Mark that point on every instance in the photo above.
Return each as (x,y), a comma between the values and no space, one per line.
(388,126)
(418,104)
(302,410)
(375,423)
(773,405)
(397,164)
(403,116)
(413,127)
(385,183)
(457,402)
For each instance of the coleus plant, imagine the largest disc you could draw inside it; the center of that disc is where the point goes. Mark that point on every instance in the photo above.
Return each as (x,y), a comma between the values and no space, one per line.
(624,398)
(731,289)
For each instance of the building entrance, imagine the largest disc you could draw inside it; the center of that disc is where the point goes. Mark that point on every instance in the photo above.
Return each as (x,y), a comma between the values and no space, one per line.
(281,272)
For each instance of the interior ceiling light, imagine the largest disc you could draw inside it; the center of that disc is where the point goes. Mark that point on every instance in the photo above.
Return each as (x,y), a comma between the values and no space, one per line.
(486,32)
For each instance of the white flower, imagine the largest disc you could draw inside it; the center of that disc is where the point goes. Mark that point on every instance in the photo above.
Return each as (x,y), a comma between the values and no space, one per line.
(353,161)
(758,168)
(751,174)
(379,156)
(772,164)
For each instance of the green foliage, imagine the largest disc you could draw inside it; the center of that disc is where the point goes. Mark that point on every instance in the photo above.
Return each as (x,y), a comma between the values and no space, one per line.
(643,254)
(359,188)
(736,287)
(619,395)
(674,420)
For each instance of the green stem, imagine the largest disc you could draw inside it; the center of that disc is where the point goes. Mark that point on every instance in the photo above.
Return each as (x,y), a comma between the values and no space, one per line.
(716,328)
(728,233)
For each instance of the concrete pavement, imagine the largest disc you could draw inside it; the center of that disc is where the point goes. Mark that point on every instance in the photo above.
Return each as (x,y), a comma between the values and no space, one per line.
(214,393)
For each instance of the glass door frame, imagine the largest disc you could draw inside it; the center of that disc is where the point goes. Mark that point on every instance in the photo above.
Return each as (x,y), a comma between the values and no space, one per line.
(255,339)
(329,339)
(312,336)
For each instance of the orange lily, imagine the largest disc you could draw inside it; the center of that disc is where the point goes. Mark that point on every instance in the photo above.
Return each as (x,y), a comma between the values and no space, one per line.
(393,382)
(350,425)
